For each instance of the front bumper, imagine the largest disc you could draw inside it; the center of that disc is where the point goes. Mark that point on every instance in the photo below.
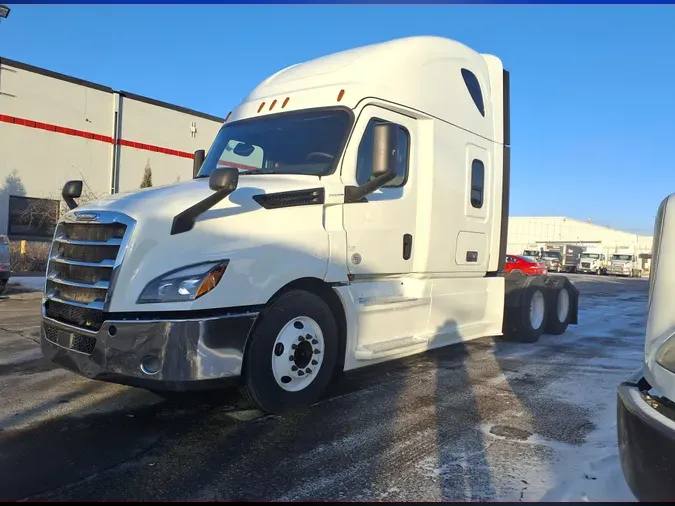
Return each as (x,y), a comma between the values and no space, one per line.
(646,432)
(168,354)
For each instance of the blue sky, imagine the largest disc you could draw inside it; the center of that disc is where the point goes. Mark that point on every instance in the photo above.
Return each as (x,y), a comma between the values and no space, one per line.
(593,106)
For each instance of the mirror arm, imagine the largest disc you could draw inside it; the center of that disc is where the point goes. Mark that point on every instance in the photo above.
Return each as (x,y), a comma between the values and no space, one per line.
(70,202)
(184,221)
(357,193)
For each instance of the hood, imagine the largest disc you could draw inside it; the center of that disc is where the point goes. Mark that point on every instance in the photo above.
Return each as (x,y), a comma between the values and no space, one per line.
(265,247)
(169,200)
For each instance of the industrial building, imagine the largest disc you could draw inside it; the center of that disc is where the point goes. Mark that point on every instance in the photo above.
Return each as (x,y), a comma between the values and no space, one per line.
(55,127)
(527,231)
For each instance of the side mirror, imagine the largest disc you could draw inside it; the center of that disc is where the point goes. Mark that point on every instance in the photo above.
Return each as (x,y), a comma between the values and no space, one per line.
(224,178)
(222,181)
(383,169)
(198,161)
(72,190)
(385,149)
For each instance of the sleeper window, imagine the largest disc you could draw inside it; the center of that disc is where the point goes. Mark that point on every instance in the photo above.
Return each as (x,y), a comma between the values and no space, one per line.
(477,183)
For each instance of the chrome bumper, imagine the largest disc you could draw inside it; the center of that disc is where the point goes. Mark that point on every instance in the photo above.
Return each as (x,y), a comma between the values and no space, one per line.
(168,354)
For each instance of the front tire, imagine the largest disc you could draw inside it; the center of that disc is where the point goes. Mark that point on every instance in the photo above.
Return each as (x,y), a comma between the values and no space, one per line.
(3,285)
(291,354)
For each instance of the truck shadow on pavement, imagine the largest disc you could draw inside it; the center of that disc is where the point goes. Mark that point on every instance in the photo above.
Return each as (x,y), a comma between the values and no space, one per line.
(408,429)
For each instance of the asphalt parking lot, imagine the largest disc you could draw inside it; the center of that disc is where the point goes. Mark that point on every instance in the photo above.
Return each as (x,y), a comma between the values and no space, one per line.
(488,420)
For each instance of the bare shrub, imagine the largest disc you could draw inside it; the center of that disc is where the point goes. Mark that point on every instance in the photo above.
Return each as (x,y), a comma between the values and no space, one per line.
(39,213)
(35,259)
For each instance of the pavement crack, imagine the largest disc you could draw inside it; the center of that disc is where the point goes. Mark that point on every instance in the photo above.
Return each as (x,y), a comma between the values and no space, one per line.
(21,333)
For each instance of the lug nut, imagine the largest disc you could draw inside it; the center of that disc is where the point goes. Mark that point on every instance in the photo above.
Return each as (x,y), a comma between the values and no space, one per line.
(316,352)
(301,373)
(291,358)
(294,368)
(314,362)
(294,346)
(314,341)
(301,338)
(308,371)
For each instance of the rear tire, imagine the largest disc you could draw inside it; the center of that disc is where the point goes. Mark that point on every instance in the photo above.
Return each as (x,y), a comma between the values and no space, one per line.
(525,312)
(3,285)
(291,354)
(559,302)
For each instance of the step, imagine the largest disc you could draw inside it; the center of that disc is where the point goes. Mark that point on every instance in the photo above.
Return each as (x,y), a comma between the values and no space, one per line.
(391,347)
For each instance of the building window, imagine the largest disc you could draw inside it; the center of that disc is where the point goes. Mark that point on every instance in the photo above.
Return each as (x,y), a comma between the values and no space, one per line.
(477,183)
(473,86)
(32,218)
(364,161)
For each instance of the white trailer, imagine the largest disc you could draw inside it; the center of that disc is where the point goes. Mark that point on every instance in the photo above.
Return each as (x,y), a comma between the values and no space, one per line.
(646,399)
(369,223)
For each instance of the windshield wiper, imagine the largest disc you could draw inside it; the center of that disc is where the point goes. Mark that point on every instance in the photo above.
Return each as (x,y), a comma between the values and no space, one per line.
(256,171)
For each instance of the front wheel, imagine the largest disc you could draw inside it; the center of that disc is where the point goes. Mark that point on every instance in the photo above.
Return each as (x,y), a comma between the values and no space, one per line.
(3,285)
(292,353)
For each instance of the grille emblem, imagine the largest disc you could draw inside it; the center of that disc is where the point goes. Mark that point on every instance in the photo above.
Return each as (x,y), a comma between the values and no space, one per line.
(86,216)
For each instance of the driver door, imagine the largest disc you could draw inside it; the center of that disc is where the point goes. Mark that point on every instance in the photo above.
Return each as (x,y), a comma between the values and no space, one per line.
(381,228)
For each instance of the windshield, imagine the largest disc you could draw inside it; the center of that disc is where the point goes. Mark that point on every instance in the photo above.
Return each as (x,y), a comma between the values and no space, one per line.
(307,143)
(594,256)
(622,257)
(531,253)
(552,254)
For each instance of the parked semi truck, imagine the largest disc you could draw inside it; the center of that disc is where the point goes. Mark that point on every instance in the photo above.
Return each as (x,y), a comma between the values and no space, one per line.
(646,399)
(593,261)
(533,251)
(625,262)
(561,257)
(369,224)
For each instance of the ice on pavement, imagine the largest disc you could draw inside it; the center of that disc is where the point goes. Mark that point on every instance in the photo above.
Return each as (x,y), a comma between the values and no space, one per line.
(592,470)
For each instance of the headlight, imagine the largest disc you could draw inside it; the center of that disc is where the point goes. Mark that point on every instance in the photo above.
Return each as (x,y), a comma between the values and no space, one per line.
(188,283)
(665,357)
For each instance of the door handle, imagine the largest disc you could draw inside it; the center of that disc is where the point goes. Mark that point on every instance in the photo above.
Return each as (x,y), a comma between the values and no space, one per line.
(407,246)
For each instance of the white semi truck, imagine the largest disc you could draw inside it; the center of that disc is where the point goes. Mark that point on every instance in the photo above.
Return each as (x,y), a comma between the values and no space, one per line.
(593,261)
(368,223)
(646,399)
(625,262)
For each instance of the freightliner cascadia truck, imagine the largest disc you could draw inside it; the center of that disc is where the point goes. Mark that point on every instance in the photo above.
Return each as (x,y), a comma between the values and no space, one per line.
(352,209)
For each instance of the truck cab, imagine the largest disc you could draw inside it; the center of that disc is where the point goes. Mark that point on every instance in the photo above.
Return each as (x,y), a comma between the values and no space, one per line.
(625,263)
(348,212)
(593,261)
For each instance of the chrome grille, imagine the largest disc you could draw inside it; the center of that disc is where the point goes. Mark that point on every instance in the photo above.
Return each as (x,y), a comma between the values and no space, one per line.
(81,268)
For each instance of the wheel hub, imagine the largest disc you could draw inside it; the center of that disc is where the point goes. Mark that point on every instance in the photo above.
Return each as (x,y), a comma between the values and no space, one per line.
(297,354)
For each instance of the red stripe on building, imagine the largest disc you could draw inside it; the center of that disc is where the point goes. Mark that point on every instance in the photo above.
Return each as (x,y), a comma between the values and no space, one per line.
(54,128)
(156,149)
(92,136)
